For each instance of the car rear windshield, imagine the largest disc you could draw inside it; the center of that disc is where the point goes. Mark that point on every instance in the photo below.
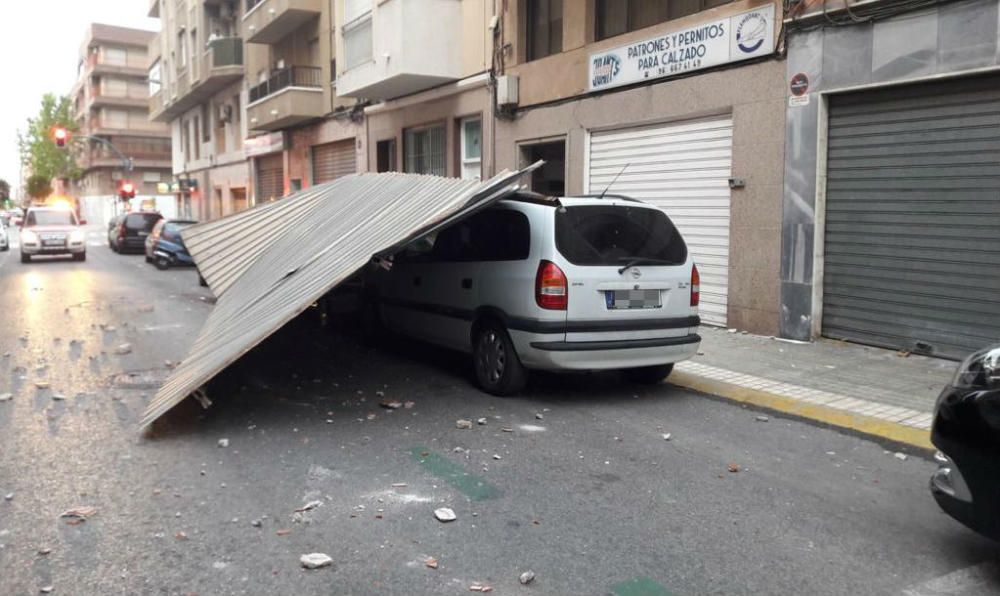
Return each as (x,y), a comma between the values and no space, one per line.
(142,221)
(50,218)
(617,234)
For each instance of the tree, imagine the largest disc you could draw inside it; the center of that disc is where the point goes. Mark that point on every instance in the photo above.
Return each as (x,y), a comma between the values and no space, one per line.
(39,187)
(4,193)
(38,151)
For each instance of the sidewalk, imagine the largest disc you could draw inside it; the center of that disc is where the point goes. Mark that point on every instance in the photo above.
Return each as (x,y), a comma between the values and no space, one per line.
(869,390)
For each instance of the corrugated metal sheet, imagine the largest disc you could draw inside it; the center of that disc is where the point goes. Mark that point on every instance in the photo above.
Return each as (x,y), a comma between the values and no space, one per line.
(912,235)
(682,168)
(315,240)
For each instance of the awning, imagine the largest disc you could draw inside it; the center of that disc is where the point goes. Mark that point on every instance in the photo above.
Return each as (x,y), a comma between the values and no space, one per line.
(268,264)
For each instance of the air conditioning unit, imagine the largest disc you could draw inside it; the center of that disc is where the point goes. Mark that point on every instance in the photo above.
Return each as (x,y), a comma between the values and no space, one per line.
(507,91)
(225,113)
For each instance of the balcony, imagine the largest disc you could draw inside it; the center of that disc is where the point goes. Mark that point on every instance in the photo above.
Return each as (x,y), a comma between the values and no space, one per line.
(418,45)
(291,96)
(98,64)
(122,99)
(268,21)
(218,67)
(105,127)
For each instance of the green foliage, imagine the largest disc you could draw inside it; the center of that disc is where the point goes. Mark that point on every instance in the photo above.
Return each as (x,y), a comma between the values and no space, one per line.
(4,192)
(38,150)
(39,187)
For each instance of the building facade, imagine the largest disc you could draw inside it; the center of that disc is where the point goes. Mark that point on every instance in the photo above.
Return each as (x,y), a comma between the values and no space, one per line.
(891,223)
(111,102)
(678,104)
(197,80)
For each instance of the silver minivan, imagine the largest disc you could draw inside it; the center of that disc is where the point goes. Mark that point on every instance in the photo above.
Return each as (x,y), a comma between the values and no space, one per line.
(576,283)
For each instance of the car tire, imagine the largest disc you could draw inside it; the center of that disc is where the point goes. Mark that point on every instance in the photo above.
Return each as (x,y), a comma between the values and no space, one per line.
(25,258)
(161,263)
(5,248)
(149,259)
(648,375)
(80,256)
(498,369)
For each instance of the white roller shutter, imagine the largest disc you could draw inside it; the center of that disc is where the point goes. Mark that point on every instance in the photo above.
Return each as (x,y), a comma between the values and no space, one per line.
(333,160)
(683,168)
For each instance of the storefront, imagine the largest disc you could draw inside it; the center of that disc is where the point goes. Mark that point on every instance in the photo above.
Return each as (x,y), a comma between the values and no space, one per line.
(268,158)
(891,221)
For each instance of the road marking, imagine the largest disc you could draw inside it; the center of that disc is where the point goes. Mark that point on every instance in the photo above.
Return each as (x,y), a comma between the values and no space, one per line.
(814,404)
(978,579)
(470,485)
(640,586)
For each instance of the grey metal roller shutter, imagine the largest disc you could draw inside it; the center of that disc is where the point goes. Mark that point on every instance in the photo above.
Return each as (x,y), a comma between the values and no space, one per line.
(270,177)
(912,231)
(333,160)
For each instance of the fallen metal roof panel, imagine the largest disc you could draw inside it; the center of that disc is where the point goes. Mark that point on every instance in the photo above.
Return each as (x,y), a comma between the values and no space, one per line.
(317,239)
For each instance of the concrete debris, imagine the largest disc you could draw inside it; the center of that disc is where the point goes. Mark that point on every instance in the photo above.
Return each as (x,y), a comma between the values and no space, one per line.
(6,396)
(539,416)
(223,442)
(44,551)
(733,330)
(283,532)
(734,468)
(41,385)
(409,405)
(481,422)
(900,456)
(431,562)
(315,560)
(496,456)
(256,523)
(507,429)
(82,512)
(762,419)
(46,590)
(399,485)
(666,436)
(123,349)
(309,506)
(391,404)
(58,397)
(445,514)
(480,588)
(463,424)
(8,497)
(526,578)
(180,536)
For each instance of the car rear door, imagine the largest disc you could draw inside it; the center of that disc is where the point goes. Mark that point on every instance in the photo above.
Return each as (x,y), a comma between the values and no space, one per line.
(628,272)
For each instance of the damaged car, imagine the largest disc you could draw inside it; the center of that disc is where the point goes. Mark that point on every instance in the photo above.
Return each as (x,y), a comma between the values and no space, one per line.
(966,430)
(533,282)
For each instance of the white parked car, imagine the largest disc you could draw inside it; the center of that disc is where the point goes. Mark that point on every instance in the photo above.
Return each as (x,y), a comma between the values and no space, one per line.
(4,237)
(52,231)
(579,283)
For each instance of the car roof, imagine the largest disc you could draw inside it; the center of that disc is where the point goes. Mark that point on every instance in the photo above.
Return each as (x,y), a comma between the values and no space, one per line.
(607,199)
(181,221)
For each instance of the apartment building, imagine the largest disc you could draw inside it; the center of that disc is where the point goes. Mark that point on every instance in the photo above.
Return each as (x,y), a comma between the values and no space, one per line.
(424,69)
(111,102)
(197,72)
(678,103)
(303,132)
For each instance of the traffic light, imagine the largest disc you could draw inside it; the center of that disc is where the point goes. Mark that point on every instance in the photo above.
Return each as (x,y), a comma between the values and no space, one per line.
(60,135)
(126,190)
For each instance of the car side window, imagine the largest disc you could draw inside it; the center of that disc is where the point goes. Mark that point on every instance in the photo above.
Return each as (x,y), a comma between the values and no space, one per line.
(500,235)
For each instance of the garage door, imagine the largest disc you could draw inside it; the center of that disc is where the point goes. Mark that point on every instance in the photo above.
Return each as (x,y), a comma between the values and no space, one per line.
(683,168)
(270,177)
(333,160)
(912,237)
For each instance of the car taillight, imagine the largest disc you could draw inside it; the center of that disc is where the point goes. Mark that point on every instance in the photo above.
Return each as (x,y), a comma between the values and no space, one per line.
(551,287)
(695,286)
(121,232)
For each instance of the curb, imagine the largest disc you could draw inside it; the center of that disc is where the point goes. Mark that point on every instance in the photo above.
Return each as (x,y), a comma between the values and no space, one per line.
(867,425)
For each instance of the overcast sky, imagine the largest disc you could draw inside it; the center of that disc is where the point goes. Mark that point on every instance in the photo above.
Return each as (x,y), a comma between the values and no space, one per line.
(39,45)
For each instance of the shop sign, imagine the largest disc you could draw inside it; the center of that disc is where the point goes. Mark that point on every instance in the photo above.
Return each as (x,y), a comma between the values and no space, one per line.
(264,144)
(731,39)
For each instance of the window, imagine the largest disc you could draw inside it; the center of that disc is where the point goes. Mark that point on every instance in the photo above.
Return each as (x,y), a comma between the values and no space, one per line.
(116,119)
(154,78)
(471,148)
(357,32)
(492,235)
(424,150)
(615,235)
(206,120)
(385,156)
(116,56)
(550,179)
(615,17)
(195,126)
(544,28)
(182,60)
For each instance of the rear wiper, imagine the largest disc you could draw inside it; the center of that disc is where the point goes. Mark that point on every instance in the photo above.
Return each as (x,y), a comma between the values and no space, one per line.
(635,262)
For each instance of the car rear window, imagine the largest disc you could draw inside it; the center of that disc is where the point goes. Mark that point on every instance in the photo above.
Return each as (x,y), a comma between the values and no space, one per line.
(142,221)
(617,234)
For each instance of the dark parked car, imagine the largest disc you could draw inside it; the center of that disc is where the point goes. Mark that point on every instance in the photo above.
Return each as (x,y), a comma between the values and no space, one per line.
(113,232)
(133,229)
(164,246)
(967,432)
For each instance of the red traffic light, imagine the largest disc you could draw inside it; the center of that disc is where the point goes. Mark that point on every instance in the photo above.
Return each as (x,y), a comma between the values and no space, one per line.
(126,190)
(61,135)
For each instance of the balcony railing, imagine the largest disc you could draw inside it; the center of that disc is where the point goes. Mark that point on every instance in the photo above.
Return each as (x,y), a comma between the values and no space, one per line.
(290,76)
(132,125)
(130,62)
(225,51)
(252,3)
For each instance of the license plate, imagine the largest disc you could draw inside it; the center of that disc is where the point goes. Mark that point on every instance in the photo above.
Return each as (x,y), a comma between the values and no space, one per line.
(143,234)
(53,242)
(632,299)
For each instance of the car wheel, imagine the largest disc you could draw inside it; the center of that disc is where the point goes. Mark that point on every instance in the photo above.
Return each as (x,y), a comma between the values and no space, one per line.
(648,375)
(162,263)
(498,369)
(149,259)
(5,248)
(25,258)
(80,256)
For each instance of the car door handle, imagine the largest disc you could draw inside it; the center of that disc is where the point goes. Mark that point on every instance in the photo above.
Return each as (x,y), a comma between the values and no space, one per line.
(417,281)
(467,283)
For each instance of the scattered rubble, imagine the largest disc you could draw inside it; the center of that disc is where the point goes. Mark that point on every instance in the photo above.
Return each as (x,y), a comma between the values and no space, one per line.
(734,468)
(256,523)
(58,397)
(123,349)
(41,384)
(6,396)
(46,590)
(480,588)
(315,560)
(409,405)
(223,442)
(44,551)
(309,506)
(180,536)
(900,456)
(539,416)
(283,532)
(8,497)
(463,424)
(526,578)
(666,436)
(80,513)
(481,422)
(431,562)
(445,514)
(762,419)
(391,404)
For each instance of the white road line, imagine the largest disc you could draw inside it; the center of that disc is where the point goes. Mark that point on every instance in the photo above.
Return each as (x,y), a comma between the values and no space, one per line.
(970,581)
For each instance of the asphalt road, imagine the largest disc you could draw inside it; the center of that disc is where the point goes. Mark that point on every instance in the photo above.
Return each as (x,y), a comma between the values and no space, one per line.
(573,481)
